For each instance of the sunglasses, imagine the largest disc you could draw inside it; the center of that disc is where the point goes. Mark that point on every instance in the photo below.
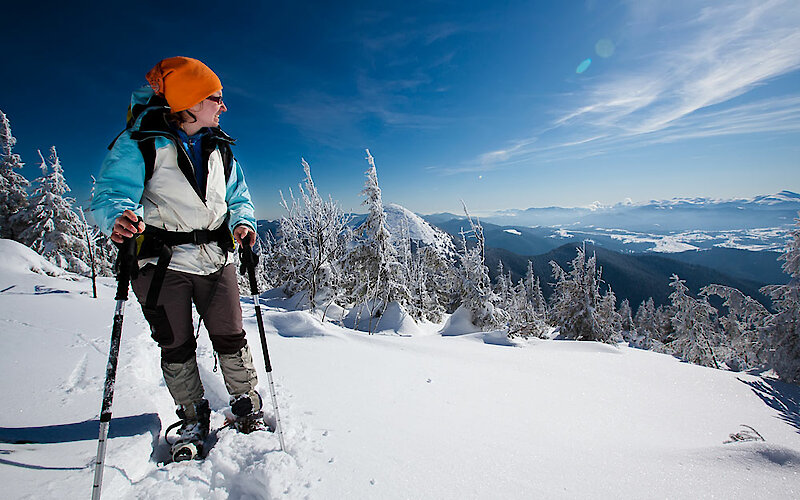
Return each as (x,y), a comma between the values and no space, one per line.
(215,98)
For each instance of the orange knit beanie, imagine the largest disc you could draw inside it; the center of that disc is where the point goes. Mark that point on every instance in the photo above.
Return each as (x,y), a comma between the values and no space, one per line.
(183,81)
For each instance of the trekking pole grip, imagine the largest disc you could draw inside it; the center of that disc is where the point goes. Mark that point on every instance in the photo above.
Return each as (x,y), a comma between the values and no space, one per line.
(126,260)
(249,260)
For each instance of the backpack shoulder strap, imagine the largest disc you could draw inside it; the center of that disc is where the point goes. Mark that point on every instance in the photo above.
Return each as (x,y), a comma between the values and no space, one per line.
(227,158)
(148,149)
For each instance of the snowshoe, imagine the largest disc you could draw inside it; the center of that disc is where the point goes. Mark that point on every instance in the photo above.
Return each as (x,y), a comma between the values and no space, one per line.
(192,431)
(187,451)
(250,423)
(248,416)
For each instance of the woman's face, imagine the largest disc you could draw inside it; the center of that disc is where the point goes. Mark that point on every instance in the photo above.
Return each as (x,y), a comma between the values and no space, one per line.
(208,110)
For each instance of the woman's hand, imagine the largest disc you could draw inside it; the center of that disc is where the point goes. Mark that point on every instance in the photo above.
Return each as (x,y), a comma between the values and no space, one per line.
(244,234)
(126,225)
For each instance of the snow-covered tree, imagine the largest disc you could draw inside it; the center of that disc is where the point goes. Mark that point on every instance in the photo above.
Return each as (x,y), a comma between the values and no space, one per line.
(311,244)
(52,227)
(436,269)
(693,323)
(425,264)
(664,330)
(627,324)
(503,286)
(782,329)
(477,295)
(13,194)
(741,327)
(578,307)
(373,260)
(533,289)
(645,324)
(524,319)
(101,247)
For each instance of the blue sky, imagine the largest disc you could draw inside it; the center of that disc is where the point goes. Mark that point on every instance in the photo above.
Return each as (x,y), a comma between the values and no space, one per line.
(502,104)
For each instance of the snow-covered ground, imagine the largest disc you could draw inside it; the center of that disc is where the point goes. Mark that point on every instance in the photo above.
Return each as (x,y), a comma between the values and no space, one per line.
(382,416)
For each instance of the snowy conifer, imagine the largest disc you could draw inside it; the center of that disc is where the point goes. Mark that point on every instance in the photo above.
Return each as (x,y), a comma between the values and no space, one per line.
(311,244)
(627,324)
(503,286)
(645,324)
(373,260)
(664,330)
(437,269)
(52,228)
(524,319)
(693,335)
(477,295)
(533,289)
(578,307)
(13,194)
(741,327)
(782,329)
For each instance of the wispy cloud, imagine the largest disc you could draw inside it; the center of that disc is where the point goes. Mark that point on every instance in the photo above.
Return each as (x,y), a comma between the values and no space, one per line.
(685,87)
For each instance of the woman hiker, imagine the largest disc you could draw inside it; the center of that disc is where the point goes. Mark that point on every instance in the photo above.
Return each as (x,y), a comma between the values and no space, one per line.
(170,180)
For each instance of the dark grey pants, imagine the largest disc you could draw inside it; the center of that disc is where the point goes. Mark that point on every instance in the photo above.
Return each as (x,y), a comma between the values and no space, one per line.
(216,297)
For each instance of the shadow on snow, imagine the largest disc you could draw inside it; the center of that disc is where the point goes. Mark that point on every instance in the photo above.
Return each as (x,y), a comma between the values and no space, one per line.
(782,397)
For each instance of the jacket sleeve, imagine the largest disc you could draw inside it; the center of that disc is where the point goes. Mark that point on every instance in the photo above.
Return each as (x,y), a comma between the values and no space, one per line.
(240,205)
(120,183)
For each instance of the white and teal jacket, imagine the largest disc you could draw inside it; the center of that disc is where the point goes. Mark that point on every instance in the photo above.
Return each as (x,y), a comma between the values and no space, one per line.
(148,171)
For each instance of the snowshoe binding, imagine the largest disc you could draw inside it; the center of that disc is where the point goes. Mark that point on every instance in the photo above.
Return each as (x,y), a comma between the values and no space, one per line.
(192,431)
(246,409)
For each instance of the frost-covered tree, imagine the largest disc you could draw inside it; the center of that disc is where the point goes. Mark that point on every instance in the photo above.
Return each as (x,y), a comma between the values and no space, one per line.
(645,324)
(477,295)
(311,244)
(13,186)
(693,324)
(373,260)
(627,324)
(52,227)
(102,249)
(664,330)
(782,329)
(533,289)
(504,285)
(524,319)
(436,269)
(578,306)
(741,327)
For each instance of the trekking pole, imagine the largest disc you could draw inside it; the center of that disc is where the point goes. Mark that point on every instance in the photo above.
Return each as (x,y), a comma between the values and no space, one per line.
(249,261)
(125,262)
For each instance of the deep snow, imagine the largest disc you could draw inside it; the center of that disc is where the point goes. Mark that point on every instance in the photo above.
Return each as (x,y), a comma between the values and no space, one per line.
(420,415)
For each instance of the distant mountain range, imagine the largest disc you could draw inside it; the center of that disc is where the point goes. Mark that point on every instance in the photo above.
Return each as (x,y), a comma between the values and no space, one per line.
(656,216)
(669,226)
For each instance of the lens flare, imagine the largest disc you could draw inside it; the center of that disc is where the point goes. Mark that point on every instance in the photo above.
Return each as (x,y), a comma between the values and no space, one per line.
(583,66)
(604,47)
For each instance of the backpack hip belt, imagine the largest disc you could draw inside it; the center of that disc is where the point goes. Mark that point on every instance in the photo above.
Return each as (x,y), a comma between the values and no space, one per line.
(159,242)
